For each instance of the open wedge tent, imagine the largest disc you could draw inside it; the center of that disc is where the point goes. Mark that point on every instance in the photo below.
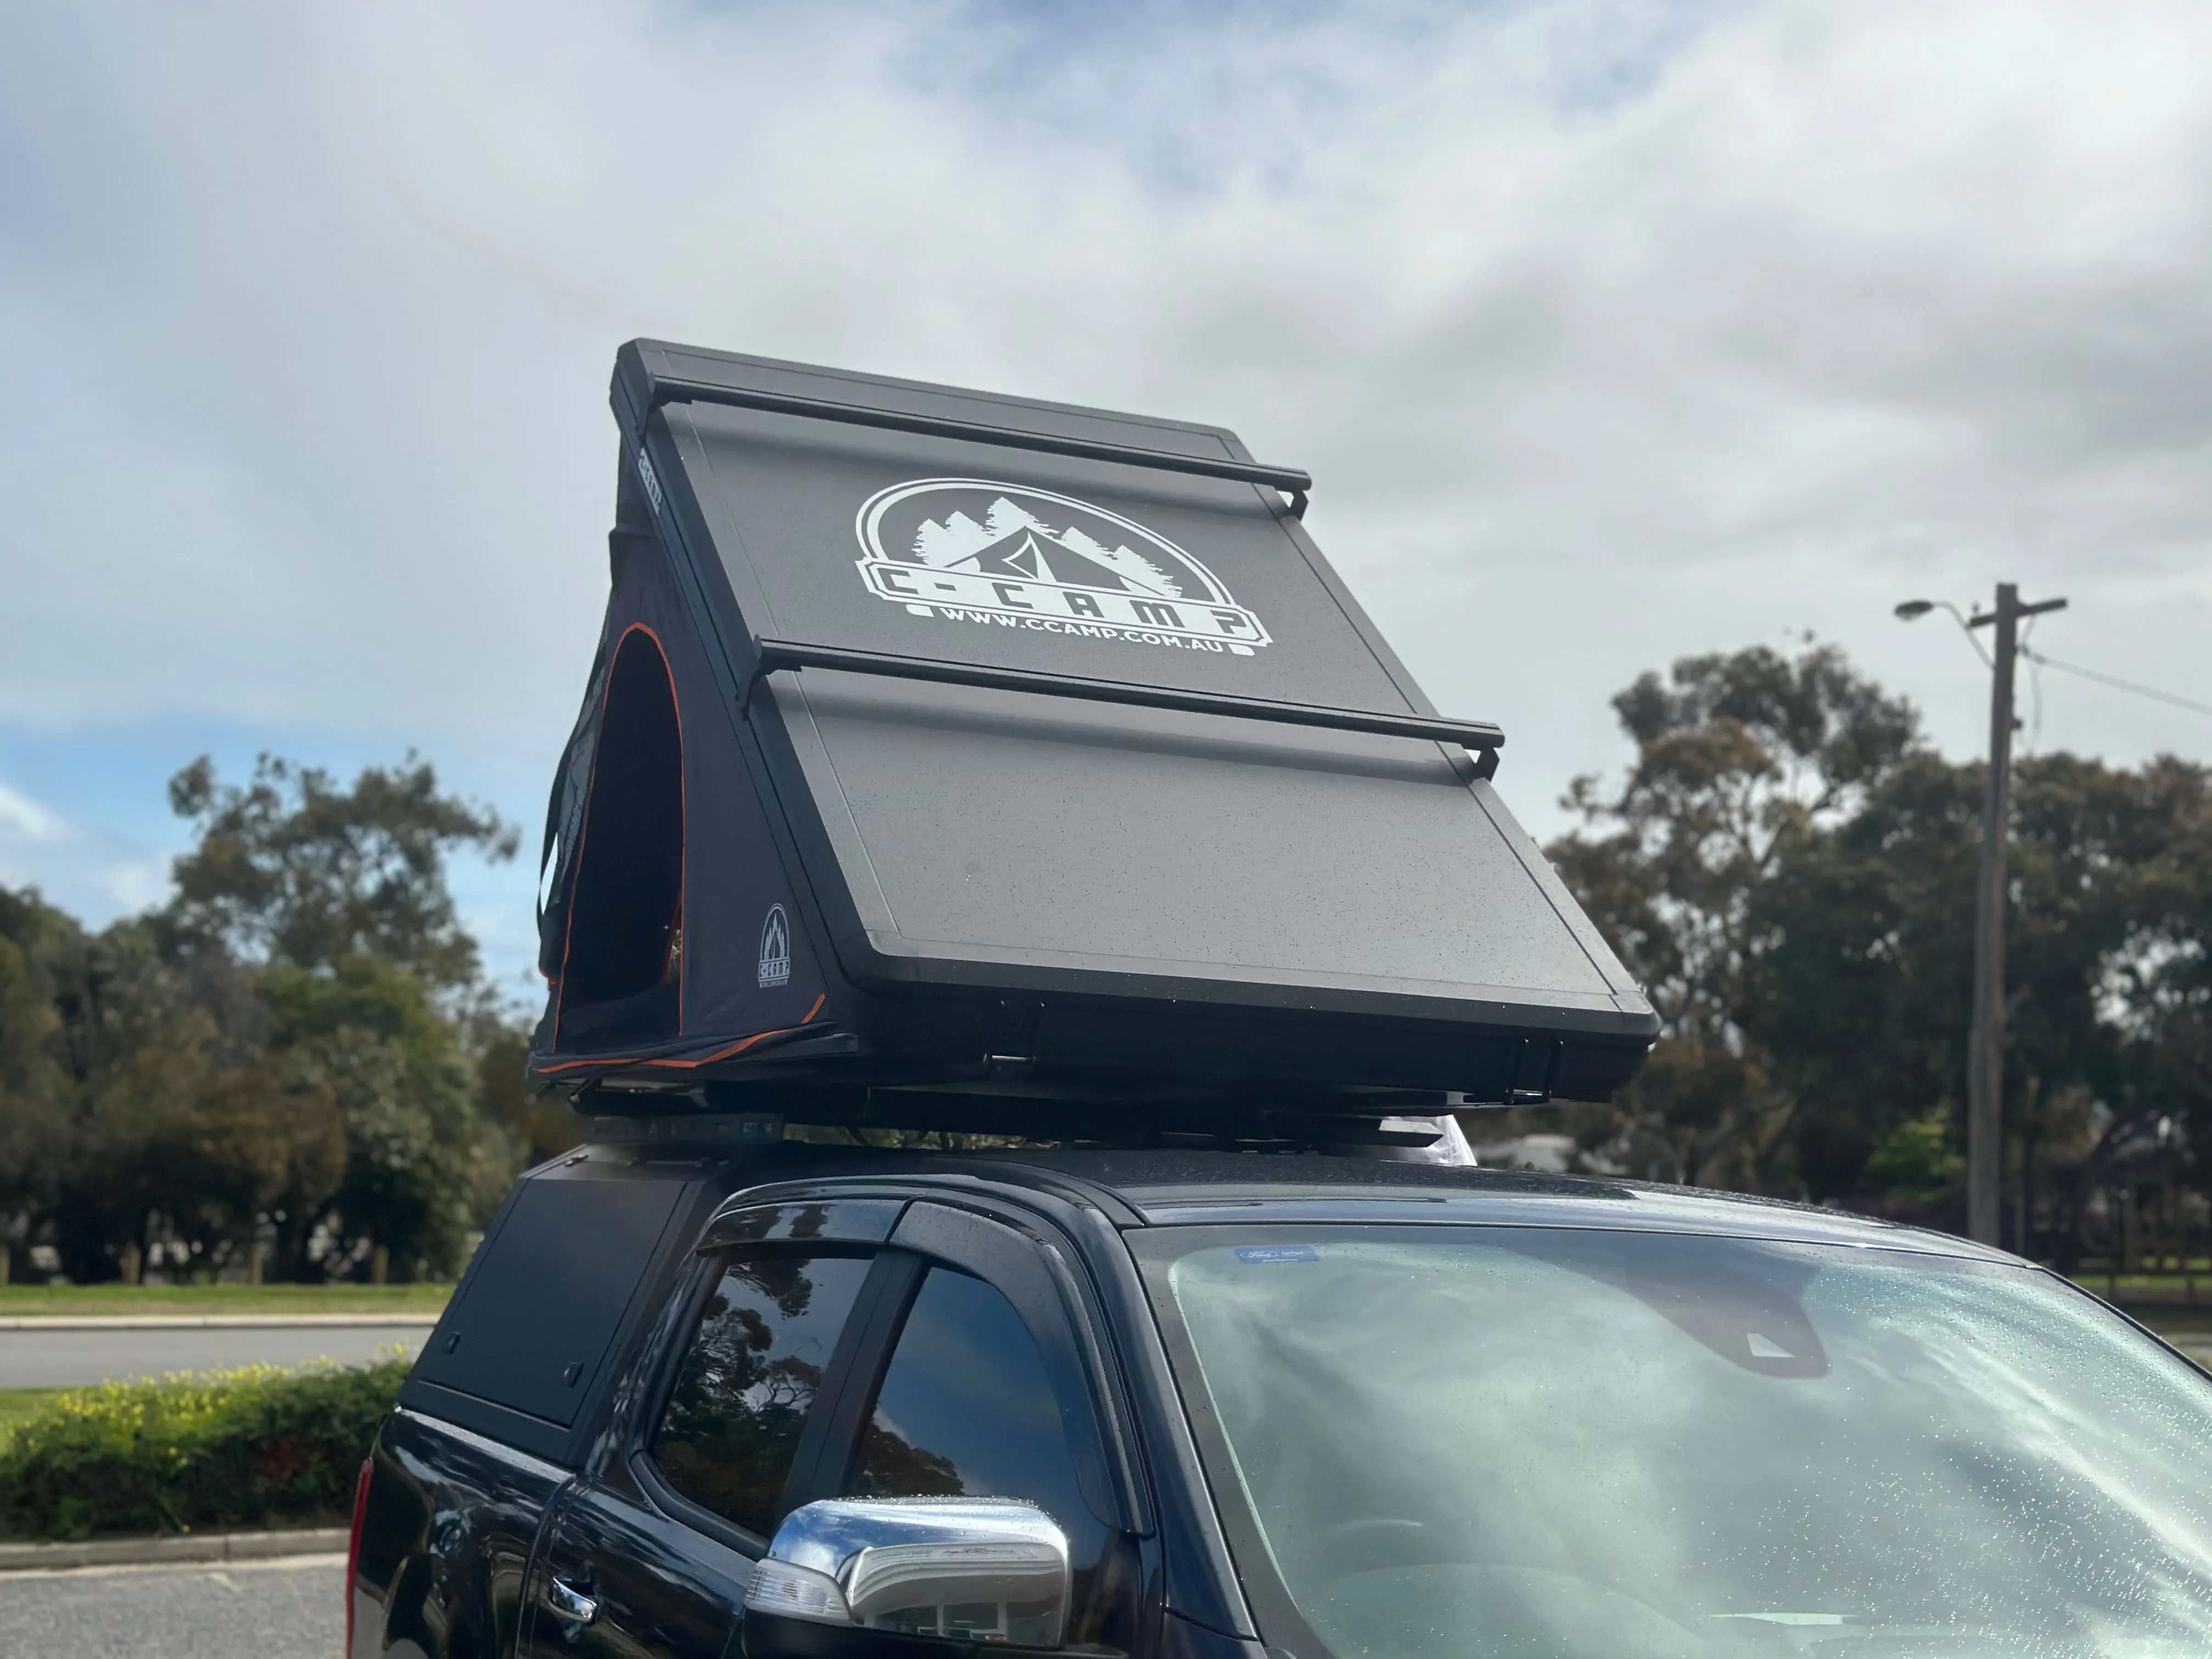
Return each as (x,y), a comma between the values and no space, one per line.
(946,746)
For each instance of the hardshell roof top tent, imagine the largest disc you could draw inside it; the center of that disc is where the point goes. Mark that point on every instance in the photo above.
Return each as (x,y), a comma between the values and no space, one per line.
(944,749)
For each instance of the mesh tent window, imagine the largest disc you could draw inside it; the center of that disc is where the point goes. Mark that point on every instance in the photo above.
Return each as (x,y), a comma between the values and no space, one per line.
(622,972)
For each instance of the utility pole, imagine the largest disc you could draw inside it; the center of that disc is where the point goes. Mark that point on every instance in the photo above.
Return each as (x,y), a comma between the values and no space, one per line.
(1985,1039)
(1986,1035)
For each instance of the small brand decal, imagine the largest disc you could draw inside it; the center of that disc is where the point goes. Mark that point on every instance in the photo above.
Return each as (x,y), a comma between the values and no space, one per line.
(967,549)
(776,948)
(1268,1255)
(652,482)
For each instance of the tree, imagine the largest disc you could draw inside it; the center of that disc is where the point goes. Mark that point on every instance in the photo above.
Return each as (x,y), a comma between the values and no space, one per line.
(1792,875)
(34,1080)
(1865,976)
(297,1042)
(185,1149)
(541,1126)
(423,1163)
(158,1111)
(1739,757)
(338,897)
(1868,963)
(291,868)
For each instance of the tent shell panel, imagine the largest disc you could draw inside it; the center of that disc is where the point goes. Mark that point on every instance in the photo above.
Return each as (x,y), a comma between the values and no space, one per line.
(1175,967)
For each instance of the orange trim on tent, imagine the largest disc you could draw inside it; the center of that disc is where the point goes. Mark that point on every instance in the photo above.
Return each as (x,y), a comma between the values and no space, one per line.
(690,1065)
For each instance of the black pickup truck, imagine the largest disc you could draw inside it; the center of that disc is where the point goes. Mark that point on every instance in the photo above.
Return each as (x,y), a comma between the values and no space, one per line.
(954,764)
(807,1401)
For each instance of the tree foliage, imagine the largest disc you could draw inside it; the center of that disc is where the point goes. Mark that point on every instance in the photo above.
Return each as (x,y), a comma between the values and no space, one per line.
(1740,760)
(296,1055)
(291,868)
(1791,873)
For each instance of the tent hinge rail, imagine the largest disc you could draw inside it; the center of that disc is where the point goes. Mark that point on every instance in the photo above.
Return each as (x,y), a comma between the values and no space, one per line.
(1481,736)
(1289,479)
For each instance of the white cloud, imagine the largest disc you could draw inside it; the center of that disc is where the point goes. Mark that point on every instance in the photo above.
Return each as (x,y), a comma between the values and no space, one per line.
(88,873)
(23,819)
(1612,331)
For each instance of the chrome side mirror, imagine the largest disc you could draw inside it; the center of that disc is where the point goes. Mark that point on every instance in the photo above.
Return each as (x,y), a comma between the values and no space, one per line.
(976,1569)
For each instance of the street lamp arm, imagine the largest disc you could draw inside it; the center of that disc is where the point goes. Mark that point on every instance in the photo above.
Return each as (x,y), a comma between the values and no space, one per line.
(1913,610)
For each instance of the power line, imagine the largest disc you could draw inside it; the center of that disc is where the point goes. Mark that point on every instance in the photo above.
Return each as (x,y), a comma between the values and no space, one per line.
(2118,684)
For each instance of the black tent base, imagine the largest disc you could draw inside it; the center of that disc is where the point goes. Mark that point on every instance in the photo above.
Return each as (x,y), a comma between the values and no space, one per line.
(930,1051)
(823,1081)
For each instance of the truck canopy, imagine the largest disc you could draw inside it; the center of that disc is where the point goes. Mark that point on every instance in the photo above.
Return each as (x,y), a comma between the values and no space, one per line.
(943,746)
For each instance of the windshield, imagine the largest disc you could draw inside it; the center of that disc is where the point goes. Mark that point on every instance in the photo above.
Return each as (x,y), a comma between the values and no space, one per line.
(1453,1442)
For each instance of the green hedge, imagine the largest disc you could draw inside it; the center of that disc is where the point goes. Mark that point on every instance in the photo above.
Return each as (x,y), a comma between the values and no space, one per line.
(250,1448)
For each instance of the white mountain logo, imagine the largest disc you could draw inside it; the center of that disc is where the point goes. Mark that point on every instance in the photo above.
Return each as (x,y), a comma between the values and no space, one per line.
(966,549)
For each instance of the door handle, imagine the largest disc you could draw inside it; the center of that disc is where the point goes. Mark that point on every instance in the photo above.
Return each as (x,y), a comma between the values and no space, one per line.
(570,1605)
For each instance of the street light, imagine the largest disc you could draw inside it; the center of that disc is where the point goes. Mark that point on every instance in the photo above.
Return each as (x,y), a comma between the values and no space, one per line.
(1985,1035)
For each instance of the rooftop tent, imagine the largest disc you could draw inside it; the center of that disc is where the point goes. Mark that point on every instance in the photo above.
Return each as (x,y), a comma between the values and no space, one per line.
(946,742)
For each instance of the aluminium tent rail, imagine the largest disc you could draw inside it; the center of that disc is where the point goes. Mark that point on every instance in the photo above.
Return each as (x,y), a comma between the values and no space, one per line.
(672,389)
(1480,736)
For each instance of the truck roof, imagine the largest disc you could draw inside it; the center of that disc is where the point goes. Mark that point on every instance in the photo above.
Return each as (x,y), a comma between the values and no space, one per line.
(1153,1187)
(575,1265)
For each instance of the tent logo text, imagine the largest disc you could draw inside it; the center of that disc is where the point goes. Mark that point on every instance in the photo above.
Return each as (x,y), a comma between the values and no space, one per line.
(966,549)
(776,948)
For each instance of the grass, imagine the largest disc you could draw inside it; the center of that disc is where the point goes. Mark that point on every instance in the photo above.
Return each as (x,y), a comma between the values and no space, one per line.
(30,1301)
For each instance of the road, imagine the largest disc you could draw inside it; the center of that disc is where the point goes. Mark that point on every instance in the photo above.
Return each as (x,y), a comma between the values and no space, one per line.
(289,1608)
(73,1359)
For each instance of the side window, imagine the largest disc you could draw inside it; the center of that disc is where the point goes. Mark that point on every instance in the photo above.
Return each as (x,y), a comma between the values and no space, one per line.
(741,1396)
(966,1408)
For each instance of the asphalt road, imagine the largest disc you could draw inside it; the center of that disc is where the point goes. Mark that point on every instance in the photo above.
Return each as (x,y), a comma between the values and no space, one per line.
(283,1609)
(70,1359)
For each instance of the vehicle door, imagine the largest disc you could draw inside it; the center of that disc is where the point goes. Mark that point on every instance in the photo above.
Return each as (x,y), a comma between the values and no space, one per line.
(993,1381)
(943,1360)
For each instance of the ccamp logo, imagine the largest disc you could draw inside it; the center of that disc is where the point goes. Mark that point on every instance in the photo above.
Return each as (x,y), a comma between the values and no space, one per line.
(776,948)
(965,549)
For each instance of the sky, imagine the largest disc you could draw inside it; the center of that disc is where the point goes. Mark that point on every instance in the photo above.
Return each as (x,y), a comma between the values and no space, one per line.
(1613,331)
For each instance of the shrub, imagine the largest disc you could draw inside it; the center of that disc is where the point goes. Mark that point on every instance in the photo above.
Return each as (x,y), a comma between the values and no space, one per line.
(244,1448)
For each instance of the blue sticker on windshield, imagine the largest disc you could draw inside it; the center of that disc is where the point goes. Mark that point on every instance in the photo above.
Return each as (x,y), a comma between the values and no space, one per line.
(1277,1252)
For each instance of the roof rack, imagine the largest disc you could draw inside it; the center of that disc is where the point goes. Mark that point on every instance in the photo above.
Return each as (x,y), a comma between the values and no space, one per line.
(708,1123)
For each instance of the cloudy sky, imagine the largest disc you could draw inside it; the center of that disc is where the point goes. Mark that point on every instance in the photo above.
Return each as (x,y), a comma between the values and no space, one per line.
(1612,330)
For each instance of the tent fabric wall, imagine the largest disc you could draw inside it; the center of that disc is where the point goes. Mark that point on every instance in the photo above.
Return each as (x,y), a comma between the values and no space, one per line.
(746,966)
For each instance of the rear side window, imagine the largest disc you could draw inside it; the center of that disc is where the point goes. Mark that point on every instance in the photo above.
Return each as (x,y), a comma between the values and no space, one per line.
(749,1378)
(966,1408)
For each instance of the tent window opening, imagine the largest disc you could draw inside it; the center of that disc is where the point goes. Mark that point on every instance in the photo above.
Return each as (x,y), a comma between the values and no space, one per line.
(621,979)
